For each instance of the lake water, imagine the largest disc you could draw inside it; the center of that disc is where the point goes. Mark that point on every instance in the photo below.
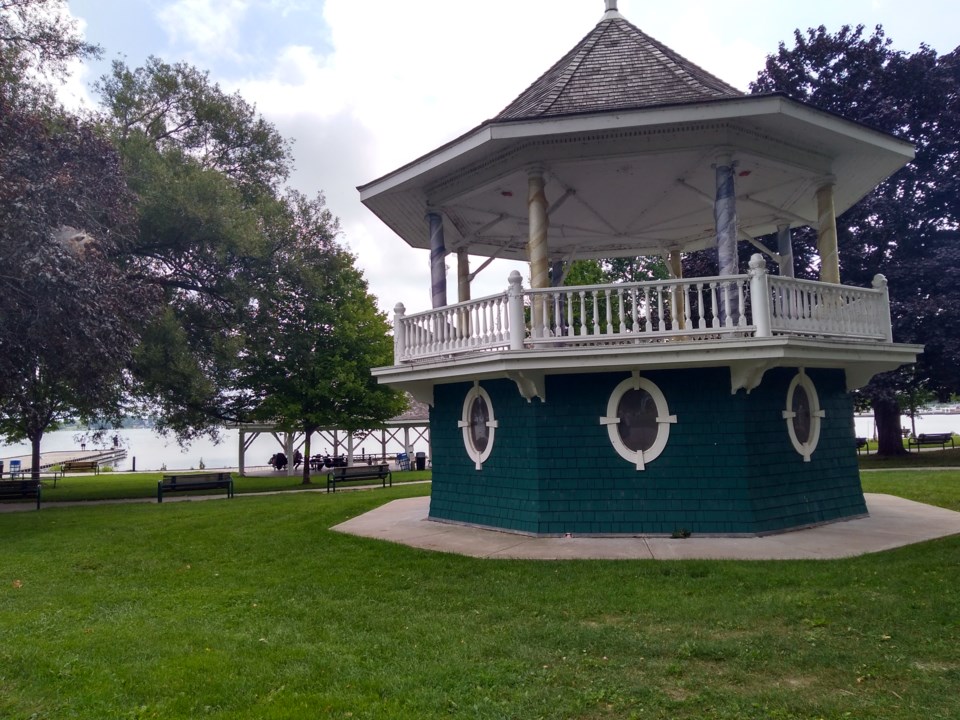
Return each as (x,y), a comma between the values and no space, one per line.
(153,452)
(927,423)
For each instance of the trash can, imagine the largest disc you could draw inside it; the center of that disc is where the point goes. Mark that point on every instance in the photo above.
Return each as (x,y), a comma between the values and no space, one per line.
(403,461)
(421,461)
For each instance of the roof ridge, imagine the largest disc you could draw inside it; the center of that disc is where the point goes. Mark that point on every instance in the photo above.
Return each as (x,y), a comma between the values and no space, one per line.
(677,63)
(582,51)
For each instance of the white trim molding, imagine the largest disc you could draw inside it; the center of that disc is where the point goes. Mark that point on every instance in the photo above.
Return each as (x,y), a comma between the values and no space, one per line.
(468,423)
(612,421)
(807,447)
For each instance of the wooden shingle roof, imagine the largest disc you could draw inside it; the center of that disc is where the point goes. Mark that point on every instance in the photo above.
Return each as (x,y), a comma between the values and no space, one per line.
(616,67)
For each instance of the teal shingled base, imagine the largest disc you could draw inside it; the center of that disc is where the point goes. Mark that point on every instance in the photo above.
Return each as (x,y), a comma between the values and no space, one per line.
(729,466)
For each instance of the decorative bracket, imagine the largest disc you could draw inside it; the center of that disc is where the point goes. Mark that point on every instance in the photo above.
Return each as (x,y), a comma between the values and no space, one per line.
(421,391)
(531,384)
(747,374)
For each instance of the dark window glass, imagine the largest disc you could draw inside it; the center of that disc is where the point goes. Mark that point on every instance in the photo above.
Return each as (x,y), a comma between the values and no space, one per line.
(802,417)
(479,417)
(638,420)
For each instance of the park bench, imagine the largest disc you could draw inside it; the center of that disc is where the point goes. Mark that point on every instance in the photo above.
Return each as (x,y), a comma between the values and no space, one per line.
(940,439)
(862,445)
(10,489)
(81,466)
(359,472)
(194,481)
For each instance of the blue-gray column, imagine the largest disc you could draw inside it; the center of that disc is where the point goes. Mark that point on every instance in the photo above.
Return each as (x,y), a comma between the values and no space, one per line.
(438,265)
(725,218)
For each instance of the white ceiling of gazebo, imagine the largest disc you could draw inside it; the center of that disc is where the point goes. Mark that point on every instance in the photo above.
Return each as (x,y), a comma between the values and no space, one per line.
(637,182)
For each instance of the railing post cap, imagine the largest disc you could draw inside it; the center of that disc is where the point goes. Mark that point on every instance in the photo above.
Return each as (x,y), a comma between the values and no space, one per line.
(879,281)
(399,308)
(758,263)
(515,278)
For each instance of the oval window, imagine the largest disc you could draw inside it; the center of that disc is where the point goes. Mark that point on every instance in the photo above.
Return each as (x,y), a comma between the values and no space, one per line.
(638,420)
(803,415)
(478,425)
(638,426)
(479,417)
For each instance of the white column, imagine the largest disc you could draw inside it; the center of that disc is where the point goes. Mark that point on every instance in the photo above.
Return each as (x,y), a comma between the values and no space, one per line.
(438,266)
(399,334)
(827,236)
(463,275)
(518,329)
(880,283)
(675,264)
(463,291)
(539,224)
(537,245)
(760,296)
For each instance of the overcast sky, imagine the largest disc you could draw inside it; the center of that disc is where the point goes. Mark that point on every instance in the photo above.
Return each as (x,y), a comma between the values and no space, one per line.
(364,86)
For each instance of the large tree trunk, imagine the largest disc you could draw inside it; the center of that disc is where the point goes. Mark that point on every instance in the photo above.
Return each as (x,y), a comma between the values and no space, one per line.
(886,413)
(307,432)
(35,455)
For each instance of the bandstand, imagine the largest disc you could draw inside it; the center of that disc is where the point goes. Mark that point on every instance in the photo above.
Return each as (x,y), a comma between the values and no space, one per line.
(715,405)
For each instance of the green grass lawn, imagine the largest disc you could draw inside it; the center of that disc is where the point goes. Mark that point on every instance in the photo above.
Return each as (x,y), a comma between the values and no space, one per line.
(925,459)
(253,608)
(113,486)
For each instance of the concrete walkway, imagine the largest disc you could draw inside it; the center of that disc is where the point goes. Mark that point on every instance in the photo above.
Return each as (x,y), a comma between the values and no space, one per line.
(893,522)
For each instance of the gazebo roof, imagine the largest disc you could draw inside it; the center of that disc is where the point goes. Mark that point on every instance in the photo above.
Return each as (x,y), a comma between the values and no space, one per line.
(616,67)
(626,133)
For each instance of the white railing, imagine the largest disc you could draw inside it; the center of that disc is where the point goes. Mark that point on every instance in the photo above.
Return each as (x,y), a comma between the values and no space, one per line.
(465,327)
(802,307)
(685,310)
(612,314)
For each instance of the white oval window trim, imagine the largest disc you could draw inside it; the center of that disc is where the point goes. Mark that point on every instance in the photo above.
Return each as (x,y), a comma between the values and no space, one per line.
(804,448)
(664,420)
(468,425)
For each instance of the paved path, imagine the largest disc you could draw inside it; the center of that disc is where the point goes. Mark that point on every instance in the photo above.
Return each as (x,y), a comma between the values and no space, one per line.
(893,522)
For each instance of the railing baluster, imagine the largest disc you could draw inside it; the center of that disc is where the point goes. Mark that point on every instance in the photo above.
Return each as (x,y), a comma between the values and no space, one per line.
(607,330)
(621,315)
(646,310)
(583,313)
(742,304)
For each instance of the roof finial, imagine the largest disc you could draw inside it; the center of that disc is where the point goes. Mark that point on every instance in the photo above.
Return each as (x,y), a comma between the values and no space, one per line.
(612,13)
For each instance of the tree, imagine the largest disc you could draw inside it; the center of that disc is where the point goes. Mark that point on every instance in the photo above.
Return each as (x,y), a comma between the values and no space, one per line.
(907,228)
(206,169)
(316,335)
(267,317)
(68,315)
(177,108)
(37,41)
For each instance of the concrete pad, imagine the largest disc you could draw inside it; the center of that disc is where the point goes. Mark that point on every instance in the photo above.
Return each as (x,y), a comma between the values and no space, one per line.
(893,522)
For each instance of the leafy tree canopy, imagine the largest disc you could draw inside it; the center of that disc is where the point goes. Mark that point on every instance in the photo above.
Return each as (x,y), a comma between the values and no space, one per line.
(907,228)
(68,315)
(316,333)
(38,39)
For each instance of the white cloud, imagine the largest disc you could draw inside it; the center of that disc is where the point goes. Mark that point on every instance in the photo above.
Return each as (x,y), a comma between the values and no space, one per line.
(379,83)
(211,28)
